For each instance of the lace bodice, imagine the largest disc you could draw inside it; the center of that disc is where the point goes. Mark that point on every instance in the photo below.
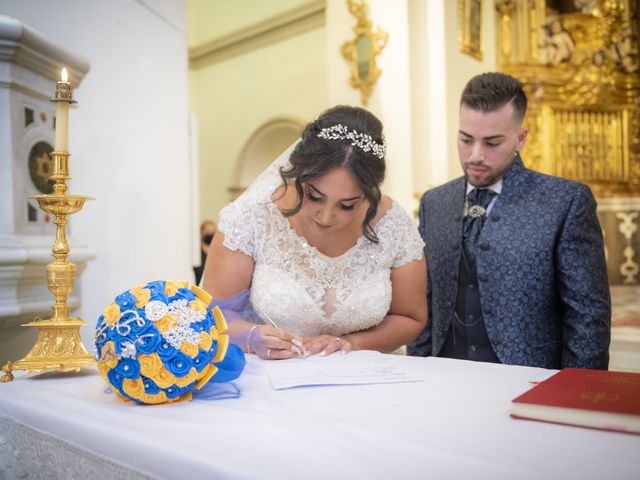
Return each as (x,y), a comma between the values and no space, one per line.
(307,292)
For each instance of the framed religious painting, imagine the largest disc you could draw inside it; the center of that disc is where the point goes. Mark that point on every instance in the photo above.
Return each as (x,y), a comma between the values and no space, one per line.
(470,27)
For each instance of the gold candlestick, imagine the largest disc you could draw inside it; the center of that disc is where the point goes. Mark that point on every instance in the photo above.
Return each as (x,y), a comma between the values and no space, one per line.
(59,345)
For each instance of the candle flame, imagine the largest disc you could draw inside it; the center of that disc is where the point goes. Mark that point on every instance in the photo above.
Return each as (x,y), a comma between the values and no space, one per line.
(64,74)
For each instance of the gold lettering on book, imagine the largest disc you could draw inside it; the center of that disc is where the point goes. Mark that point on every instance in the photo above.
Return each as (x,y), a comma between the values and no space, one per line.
(602,396)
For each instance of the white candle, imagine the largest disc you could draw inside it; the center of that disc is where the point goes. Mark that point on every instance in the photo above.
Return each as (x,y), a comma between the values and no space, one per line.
(62,112)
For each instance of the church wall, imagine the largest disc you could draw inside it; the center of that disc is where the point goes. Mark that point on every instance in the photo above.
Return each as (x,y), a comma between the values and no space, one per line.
(209,19)
(128,140)
(460,68)
(234,97)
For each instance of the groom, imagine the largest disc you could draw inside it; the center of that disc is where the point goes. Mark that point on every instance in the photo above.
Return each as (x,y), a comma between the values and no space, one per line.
(515,258)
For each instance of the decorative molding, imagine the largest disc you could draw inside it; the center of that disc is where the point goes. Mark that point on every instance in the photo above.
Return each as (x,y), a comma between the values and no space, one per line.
(24,46)
(279,27)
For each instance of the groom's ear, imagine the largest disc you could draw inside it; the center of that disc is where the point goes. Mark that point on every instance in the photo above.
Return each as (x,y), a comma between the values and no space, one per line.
(522,139)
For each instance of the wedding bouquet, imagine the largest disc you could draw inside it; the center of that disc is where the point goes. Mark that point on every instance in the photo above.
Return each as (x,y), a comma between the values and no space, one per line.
(155,343)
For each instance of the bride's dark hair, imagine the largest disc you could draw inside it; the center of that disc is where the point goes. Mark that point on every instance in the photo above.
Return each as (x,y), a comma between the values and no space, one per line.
(314,157)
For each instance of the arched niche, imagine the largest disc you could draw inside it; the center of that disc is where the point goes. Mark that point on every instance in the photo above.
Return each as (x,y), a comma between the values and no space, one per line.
(262,148)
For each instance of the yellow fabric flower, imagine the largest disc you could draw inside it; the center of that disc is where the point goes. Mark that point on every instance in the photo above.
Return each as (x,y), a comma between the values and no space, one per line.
(198,306)
(201,294)
(150,364)
(205,341)
(223,344)
(111,314)
(205,375)
(171,287)
(133,388)
(153,398)
(189,349)
(142,297)
(221,323)
(192,376)
(166,323)
(164,378)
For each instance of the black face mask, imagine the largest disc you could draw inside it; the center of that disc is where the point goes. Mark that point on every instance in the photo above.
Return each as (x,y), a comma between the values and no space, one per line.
(208,238)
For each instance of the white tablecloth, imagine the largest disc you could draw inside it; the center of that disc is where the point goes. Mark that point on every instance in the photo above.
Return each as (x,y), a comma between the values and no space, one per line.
(455,424)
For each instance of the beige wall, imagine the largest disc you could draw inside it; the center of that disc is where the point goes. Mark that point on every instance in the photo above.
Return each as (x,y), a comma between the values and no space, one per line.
(417,96)
(210,19)
(461,67)
(234,97)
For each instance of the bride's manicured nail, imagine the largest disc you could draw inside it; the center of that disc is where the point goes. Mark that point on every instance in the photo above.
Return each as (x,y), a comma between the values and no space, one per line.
(296,342)
(296,350)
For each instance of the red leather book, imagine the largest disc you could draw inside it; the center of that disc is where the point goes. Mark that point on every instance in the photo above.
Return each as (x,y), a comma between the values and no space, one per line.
(586,398)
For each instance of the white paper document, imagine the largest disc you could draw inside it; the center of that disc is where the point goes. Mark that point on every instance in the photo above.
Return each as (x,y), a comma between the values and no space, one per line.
(353,368)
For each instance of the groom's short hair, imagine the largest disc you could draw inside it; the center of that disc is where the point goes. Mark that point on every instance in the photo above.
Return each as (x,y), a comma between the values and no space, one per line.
(491,91)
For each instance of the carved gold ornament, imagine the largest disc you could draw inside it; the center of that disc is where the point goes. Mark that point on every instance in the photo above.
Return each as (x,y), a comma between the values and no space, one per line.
(578,62)
(361,52)
(470,27)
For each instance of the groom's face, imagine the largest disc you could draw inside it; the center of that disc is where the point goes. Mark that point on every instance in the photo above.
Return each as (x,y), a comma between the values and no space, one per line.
(487,143)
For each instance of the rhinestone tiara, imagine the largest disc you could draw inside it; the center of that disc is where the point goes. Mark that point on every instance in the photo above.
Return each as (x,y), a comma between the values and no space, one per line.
(360,140)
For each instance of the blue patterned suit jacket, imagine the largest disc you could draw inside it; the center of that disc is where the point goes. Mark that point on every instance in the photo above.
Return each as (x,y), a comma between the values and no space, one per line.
(541,271)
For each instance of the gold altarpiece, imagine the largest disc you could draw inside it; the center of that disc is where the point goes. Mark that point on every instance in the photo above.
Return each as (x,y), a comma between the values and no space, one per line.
(578,60)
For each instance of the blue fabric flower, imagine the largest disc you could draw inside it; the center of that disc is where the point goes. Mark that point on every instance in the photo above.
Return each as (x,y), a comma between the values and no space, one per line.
(165,350)
(150,386)
(205,324)
(128,368)
(126,301)
(157,286)
(202,360)
(115,379)
(157,291)
(179,364)
(174,391)
(183,294)
(148,339)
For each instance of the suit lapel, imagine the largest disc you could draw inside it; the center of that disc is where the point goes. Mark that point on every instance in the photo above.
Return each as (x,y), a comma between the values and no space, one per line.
(512,188)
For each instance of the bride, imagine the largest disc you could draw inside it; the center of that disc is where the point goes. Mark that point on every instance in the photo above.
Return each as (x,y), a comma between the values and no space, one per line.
(328,263)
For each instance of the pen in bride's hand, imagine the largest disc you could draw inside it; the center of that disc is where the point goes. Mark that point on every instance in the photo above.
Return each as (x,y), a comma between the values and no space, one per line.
(298,345)
(269,320)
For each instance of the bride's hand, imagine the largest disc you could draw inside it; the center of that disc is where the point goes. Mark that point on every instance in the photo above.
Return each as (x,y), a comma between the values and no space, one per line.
(274,343)
(326,345)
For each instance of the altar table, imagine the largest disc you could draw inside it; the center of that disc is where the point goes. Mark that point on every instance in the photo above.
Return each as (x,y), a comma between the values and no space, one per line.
(454,424)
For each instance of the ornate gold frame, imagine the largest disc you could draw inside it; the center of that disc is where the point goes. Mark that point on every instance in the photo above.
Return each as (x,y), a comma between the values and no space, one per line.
(470,27)
(364,71)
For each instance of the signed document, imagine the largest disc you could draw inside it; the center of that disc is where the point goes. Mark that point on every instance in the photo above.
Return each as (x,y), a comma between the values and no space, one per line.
(359,367)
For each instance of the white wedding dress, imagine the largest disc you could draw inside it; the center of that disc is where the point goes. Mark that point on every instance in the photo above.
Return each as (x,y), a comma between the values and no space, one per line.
(304,291)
